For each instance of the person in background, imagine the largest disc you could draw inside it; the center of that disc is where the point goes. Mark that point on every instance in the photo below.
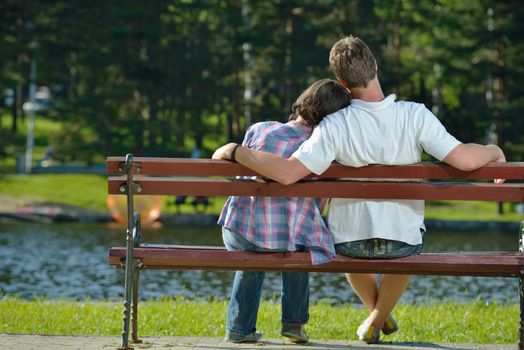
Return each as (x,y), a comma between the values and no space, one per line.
(202,201)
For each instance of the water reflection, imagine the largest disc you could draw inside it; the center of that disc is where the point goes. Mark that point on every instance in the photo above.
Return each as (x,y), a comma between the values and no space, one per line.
(70,261)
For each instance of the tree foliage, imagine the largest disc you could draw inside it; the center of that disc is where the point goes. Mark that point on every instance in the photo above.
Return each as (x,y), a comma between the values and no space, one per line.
(157,77)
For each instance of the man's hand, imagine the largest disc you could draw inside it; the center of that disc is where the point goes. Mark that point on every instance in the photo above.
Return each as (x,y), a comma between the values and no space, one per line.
(501,159)
(224,152)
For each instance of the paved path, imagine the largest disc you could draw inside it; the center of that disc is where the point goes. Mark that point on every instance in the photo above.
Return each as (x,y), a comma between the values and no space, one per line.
(40,342)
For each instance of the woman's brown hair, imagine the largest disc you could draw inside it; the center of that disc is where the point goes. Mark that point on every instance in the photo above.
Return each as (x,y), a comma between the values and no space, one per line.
(321,98)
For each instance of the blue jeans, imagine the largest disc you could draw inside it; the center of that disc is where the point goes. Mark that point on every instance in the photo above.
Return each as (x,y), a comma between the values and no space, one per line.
(377,248)
(243,306)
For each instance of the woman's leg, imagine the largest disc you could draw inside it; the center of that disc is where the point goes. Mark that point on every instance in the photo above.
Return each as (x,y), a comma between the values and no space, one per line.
(295,304)
(295,298)
(241,317)
(243,305)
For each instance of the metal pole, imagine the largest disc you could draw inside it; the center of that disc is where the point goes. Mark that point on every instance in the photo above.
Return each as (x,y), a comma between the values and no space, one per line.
(521,323)
(521,289)
(31,109)
(137,267)
(134,313)
(130,264)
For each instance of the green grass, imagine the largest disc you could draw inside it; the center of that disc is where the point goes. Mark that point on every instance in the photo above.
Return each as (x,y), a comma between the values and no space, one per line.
(471,210)
(448,322)
(82,190)
(87,191)
(43,129)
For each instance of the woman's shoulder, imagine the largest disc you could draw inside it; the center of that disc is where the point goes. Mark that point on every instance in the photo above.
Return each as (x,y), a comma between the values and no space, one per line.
(266,124)
(264,127)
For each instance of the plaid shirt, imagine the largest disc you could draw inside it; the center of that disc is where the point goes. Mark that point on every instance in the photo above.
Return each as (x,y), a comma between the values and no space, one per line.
(279,222)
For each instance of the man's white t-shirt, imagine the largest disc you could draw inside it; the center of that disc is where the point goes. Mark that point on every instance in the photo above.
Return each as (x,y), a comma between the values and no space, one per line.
(385,132)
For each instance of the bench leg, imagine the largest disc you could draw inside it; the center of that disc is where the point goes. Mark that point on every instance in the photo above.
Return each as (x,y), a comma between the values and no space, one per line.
(131,234)
(521,323)
(128,291)
(521,289)
(134,317)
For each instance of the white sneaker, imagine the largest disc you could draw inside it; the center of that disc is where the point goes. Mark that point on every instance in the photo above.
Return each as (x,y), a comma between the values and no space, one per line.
(367,333)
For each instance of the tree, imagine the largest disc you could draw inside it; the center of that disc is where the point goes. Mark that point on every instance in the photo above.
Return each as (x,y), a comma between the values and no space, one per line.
(157,78)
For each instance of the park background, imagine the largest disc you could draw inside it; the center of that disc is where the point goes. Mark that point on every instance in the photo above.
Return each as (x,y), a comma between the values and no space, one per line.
(157,78)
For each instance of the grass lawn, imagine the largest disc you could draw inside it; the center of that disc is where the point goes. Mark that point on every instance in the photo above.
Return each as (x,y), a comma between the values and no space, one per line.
(433,322)
(87,191)
(471,210)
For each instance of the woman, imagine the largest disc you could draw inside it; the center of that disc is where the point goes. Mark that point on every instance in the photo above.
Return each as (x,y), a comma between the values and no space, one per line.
(262,224)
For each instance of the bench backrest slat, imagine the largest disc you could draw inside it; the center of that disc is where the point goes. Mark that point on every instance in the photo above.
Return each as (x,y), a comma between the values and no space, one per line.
(423,170)
(333,189)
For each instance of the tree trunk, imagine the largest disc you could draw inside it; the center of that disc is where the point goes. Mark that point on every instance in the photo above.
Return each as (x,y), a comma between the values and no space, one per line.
(14,111)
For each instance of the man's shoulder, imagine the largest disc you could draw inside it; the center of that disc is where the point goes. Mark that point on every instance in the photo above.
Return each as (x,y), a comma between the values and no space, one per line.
(410,105)
(337,116)
(413,108)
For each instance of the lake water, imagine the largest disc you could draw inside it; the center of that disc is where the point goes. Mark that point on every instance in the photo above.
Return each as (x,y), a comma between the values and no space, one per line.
(70,261)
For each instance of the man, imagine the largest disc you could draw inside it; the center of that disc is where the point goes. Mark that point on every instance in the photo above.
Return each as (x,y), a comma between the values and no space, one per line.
(374,129)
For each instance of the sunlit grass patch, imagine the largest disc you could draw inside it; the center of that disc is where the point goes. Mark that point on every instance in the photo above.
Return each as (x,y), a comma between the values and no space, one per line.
(475,322)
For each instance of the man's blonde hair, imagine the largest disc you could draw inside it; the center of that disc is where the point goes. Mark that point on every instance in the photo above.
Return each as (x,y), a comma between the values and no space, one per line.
(352,62)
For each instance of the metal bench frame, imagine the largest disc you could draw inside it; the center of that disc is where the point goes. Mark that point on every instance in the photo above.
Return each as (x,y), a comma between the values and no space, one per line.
(126,176)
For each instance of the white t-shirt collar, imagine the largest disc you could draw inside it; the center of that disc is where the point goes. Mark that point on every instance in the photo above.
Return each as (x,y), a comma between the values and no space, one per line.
(385,103)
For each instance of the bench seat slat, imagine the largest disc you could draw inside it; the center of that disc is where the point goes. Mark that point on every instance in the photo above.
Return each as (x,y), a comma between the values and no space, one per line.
(334,189)
(506,264)
(424,170)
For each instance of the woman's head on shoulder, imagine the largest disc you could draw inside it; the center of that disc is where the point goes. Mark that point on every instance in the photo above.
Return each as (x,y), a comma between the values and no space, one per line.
(321,98)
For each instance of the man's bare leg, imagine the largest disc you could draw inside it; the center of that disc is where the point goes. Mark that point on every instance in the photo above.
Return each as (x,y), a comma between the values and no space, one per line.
(365,286)
(389,292)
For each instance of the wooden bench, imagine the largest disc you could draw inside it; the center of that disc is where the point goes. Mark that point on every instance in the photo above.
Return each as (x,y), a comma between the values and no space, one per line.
(205,177)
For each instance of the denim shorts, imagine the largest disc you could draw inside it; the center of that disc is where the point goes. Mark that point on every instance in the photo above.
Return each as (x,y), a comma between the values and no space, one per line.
(377,248)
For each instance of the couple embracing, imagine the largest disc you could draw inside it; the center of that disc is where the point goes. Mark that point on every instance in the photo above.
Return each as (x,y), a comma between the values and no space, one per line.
(351,121)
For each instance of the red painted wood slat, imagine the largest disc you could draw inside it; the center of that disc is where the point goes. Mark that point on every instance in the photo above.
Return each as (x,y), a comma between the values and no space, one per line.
(425,170)
(216,258)
(324,188)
